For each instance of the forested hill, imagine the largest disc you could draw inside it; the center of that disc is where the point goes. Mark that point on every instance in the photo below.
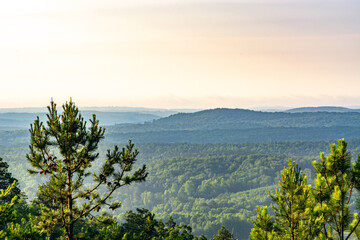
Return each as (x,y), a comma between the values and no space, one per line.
(223,118)
(239,126)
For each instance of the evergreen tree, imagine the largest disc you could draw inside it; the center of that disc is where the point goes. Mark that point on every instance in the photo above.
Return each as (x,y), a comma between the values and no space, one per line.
(103,227)
(142,225)
(201,237)
(6,179)
(296,214)
(9,193)
(223,234)
(294,205)
(26,229)
(336,180)
(264,225)
(6,207)
(65,149)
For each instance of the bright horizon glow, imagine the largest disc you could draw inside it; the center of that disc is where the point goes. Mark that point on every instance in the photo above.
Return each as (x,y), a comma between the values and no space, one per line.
(188,54)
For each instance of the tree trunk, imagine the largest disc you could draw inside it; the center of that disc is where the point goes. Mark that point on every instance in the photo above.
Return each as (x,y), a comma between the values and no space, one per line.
(70,227)
(69,232)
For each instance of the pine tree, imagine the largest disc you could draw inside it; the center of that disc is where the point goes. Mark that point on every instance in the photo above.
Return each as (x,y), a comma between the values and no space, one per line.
(223,234)
(6,207)
(6,179)
(292,202)
(264,225)
(296,214)
(9,193)
(336,180)
(65,149)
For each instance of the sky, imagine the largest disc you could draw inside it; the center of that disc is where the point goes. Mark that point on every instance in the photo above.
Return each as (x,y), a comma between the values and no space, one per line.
(180,54)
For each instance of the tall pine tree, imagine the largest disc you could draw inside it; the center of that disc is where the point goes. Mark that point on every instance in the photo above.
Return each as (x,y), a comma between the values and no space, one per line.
(296,214)
(337,178)
(322,212)
(65,150)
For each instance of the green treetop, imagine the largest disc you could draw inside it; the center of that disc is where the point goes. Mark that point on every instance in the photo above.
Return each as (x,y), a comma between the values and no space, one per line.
(336,180)
(223,234)
(319,213)
(6,207)
(65,149)
(296,215)
(6,179)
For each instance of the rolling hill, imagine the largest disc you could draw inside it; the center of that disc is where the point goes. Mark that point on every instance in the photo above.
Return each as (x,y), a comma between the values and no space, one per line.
(240,125)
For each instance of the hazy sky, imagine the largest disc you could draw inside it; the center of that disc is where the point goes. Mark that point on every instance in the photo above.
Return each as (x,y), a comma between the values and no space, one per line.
(180,54)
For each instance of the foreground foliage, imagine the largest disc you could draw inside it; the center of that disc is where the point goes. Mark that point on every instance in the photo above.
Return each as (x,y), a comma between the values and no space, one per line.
(65,150)
(6,207)
(296,214)
(322,212)
(205,186)
(139,225)
(6,179)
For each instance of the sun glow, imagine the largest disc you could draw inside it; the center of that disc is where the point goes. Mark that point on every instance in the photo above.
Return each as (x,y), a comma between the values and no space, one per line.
(119,52)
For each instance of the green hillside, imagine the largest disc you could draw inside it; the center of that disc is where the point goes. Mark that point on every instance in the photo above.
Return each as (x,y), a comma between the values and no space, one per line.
(240,126)
(239,135)
(223,118)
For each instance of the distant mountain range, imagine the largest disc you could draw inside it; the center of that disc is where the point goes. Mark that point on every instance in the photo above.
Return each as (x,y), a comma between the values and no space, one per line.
(240,125)
(156,111)
(321,109)
(19,120)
